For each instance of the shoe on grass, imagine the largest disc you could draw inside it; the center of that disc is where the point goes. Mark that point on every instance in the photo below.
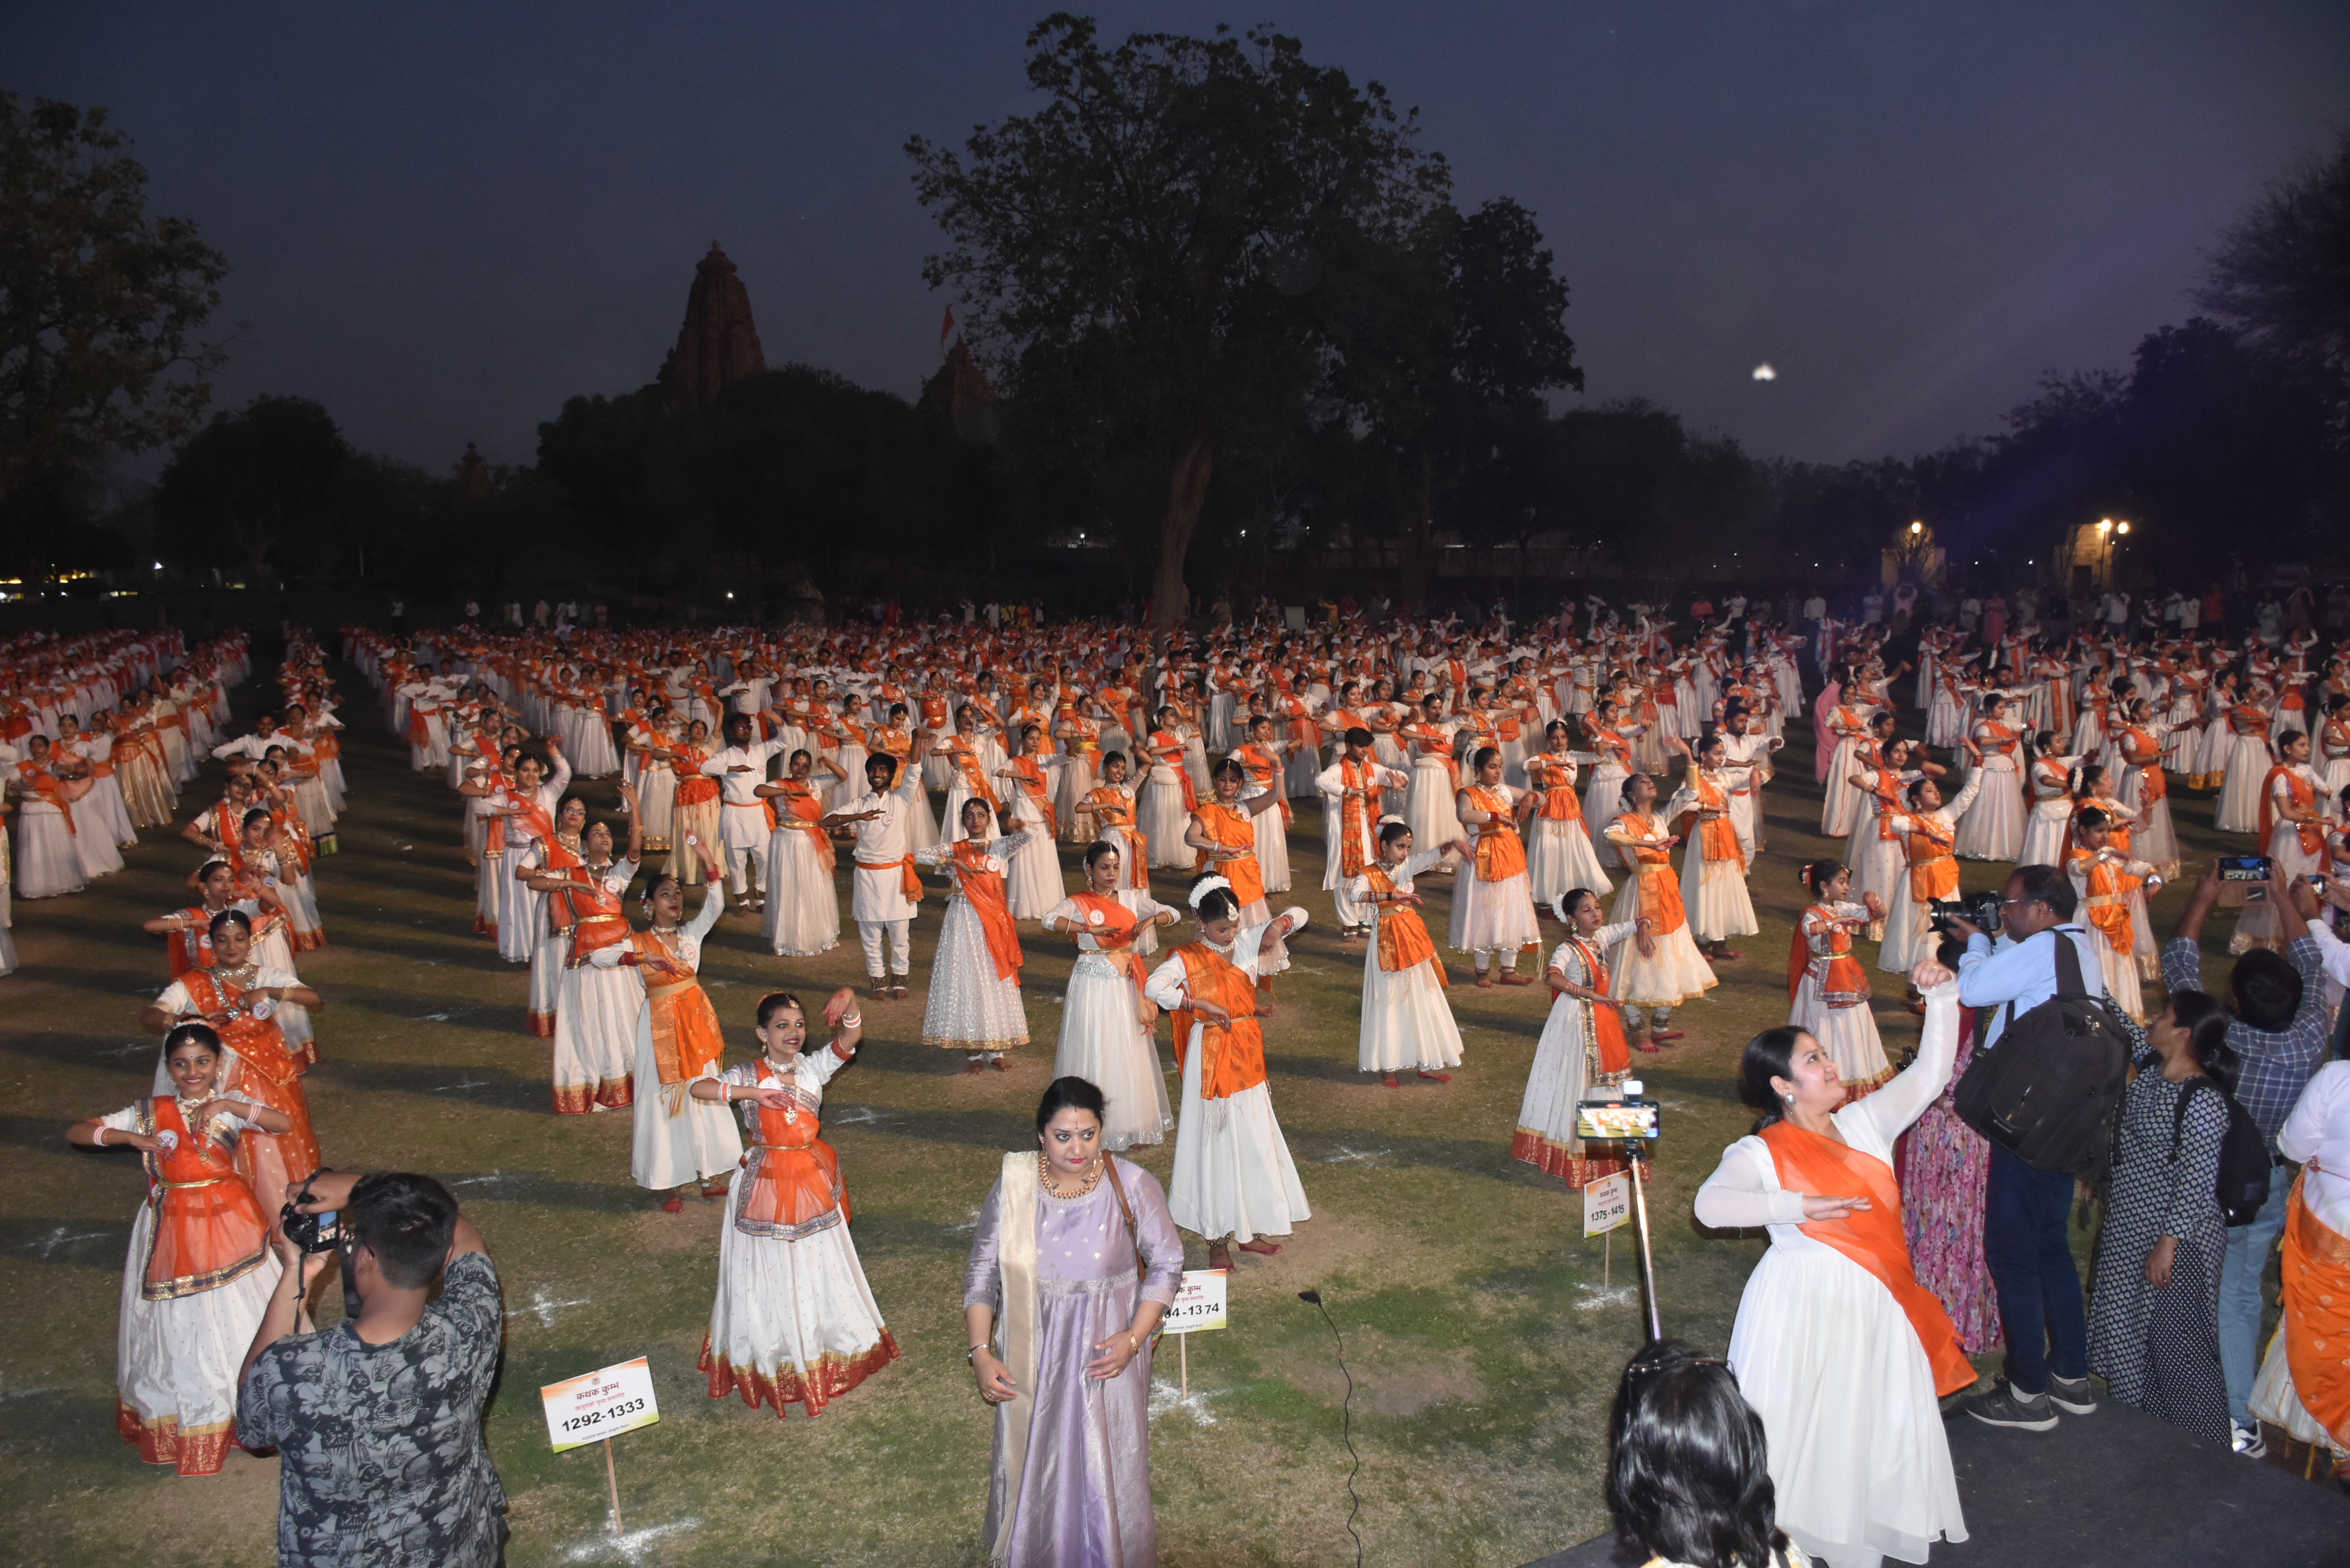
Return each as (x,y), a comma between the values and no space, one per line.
(2071,1394)
(2003,1407)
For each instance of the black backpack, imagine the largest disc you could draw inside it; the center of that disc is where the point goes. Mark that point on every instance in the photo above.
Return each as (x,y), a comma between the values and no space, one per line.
(2046,1092)
(2242,1186)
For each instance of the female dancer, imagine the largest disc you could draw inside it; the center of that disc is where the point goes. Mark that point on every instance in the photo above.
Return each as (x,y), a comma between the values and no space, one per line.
(1169,796)
(1827,987)
(1559,852)
(1992,828)
(794,1322)
(2050,778)
(199,1271)
(597,1005)
(2291,827)
(974,993)
(2145,788)
(1406,1020)
(190,929)
(698,806)
(1259,754)
(1105,1021)
(802,905)
(1837,1345)
(1112,802)
(1670,969)
(1234,1178)
(1713,866)
(1223,830)
(1930,835)
(1493,912)
(543,862)
(1603,796)
(2249,758)
(1583,1043)
(679,1141)
(1435,777)
(1069,1274)
(1033,883)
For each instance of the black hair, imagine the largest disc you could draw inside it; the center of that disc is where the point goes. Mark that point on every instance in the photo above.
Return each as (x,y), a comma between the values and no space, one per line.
(1217,903)
(198,1034)
(1228,768)
(2206,1023)
(259,814)
(1391,831)
(2085,775)
(1110,757)
(775,1002)
(2092,816)
(1099,848)
(654,887)
(2047,885)
(2267,990)
(2286,738)
(1062,1093)
(1485,754)
(204,872)
(1916,787)
(1572,900)
(1818,873)
(1358,736)
(228,917)
(885,762)
(1770,1055)
(408,1222)
(1687,1473)
(1623,795)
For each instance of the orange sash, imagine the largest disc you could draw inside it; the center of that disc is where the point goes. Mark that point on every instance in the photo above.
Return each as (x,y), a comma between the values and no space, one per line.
(2142,752)
(1403,935)
(984,889)
(1357,784)
(962,755)
(1615,1052)
(2108,903)
(1167,750)
(1264,768)
(44,784)
(1717,836)
(802,812)
(692,787)
(1234,829)
(1842,982)
(910,881)
(1029,774)
(686,1037)
(1113,927)
(2317,1277)
(596,919)
(1660,891)
(1933,874)
(1555,779)
(1232,1055)
(208,1225)
(191,948)
(266,1072)
(1501,853)
(793,1175)
(1113,811)
(2304,798)
(1872,1236)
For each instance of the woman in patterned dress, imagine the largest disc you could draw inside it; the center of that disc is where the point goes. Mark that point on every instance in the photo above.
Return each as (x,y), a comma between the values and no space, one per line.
(1945,1172)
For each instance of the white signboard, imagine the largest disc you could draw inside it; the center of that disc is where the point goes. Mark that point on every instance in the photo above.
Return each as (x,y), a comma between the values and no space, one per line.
(1607,1203)
(599,1404)
(1198,1304)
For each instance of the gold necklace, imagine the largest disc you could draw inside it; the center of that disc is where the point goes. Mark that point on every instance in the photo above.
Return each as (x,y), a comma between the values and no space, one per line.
(1045,1172)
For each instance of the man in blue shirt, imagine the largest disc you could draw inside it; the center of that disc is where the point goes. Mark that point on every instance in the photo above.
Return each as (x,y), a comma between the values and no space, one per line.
(2026,1210)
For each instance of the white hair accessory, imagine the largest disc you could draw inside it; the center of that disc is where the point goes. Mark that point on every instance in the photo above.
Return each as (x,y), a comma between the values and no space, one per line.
(1207,886)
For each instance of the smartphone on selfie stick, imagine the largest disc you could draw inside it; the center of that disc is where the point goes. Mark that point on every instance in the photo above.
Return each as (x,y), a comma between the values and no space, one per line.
(1618,1114)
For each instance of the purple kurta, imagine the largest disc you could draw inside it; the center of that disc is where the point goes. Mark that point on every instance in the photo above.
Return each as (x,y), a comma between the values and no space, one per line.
(1085,1495)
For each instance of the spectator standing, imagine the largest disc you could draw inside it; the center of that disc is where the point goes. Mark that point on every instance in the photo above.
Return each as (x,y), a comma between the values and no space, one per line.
(2278,1034)
(1872,608)
(377,1420)
(1687,1467)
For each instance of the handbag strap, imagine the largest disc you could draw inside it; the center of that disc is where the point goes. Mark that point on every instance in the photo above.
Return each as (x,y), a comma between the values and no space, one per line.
(1133,1233)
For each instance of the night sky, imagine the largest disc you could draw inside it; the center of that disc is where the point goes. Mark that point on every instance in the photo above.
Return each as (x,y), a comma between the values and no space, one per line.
(441,220)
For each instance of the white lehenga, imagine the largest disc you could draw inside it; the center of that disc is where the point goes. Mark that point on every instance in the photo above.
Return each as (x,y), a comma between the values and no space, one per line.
(1103,1041)
(1407,1020)
(970,1007)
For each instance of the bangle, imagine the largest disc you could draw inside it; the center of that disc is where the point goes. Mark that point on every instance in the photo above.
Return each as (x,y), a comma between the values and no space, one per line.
(971,1356)
(853,1021)
(97,1136)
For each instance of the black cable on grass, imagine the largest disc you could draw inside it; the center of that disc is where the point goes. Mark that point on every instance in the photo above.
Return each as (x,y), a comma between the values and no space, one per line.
(1347,1419)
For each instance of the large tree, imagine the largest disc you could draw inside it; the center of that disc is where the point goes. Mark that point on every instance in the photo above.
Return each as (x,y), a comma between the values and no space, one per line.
(1134,253)
(102,308)
(271,481)
(2281,274)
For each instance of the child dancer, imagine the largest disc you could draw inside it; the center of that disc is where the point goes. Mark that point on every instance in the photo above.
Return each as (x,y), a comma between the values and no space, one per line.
(1407,1021)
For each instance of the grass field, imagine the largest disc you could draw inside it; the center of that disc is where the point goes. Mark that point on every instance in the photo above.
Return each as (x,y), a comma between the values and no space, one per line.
(1482,1344)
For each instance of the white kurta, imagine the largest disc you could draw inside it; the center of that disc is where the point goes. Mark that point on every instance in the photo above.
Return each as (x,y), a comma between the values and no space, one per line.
(678,1139)
(1103,1041)
(1407,1020)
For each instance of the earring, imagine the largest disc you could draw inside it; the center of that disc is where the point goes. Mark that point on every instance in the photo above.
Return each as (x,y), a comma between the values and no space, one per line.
(1789,1099)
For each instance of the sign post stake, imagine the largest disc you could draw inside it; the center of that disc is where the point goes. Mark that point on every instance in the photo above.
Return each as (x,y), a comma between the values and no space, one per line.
(1183,1356)
(1607,1261)
(613,1477)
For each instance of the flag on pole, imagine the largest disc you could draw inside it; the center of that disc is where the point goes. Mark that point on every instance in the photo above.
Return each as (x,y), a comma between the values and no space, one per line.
(946,329)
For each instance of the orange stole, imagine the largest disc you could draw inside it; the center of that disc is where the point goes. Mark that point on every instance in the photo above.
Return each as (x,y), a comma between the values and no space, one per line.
(686,1037)
(1615,1052)
(1873,1237)
(1660,891)
(1234,829)
(1232,1055)
(1933,874)
(596,919)
(910,881)
(1167,752)
(266,1071)
(802,812)
(2107,904)
(692,788)
(2317,1277)
(1113,927)
(1357,783)
(1556,781)
(1029,775)
(793,1175)
(1403,935)
(1501,853)
(984,889)
(2304,798)
(208,1225)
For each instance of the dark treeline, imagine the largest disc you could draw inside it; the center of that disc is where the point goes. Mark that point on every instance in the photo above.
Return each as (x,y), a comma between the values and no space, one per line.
(1288,351)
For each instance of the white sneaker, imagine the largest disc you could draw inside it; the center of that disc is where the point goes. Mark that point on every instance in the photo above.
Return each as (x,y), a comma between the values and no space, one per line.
(2248,1441)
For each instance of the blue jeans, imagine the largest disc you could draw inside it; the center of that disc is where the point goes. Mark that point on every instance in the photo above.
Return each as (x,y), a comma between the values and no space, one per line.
(2240,1296)
(2025,1212)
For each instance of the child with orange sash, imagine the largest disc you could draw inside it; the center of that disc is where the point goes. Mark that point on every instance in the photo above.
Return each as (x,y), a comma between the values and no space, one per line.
(1259,754)
(1352,789)
(1583,1043)
(1033,880)
(199,1271)
(1929,836)
(1104,1022)
(680,1140)
(2113,890)
(698,802)
(1827,990)
(544,864)
(1235,1180)
(597,1004)
(1658,977)
(1714,866)
(1836,1346)
(803,913)
(1223,831)
(2292,829)
(1169,795)
(1407,1020)
(794,1322)
(1559,852)
(1493,912)
(975,992)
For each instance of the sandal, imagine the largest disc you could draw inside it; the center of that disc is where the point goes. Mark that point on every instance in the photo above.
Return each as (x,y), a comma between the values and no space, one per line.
(673,1204)
(1262,1247)
(1391,1081)
(1435,1077)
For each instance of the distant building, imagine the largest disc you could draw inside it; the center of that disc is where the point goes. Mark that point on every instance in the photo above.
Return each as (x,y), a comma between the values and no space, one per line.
(960,394)
(719,344)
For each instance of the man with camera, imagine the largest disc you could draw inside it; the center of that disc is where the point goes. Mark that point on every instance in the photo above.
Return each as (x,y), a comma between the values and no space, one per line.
(2025,1209)
(377,1420)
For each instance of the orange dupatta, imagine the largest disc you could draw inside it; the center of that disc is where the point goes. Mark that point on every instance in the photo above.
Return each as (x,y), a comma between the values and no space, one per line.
(2316,1279)
(686,1037)
(1357,783)
(984,889)
(1029,774)
(208,1225)
(1660,891)
(1615,1052)
(1403,935)
(1871,1237)
(1113,927)
(1842,982)
(1501,853)
(1232,1055)
(1233,829)
(2305,796)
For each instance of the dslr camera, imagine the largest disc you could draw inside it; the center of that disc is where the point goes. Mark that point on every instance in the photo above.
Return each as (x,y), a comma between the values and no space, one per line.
(320,1232)
(1979,909)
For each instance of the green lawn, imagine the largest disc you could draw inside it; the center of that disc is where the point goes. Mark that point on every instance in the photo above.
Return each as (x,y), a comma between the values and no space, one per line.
(1482,1347)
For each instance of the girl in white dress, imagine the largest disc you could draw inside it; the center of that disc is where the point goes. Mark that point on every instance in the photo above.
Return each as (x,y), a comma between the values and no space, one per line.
(1929,833)
(1836,1346)
(974,993)
(803,913)
(1661,975)
(1992,828)
(1827,991)
(1492,911)
(1033,883)
(1582,1043)
(679,1140)
(1602,793)
(794,1322)
(2048,779)
(1714,866)
(1407,1020)
(199,1271)
(1559,852)
(1104,1037)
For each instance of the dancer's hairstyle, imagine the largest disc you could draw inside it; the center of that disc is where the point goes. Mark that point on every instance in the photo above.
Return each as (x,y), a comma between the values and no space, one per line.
(259,814)
(200,1035)
(1217,903)
(654,887)
(204,872)
(2085,775)
(226,918)
(1570,901)
(2206,1023)
(1917,788)
(1358,736)
(796,755)
(775,1002)
(2092,816)
(1062,1093)
(1770,1055)
(1228,768)
(2286,738)
(1391,831)
(1817,873)
(1558,727)
(1625,794)
(1485,754)
(1687,1472)
(1099,848)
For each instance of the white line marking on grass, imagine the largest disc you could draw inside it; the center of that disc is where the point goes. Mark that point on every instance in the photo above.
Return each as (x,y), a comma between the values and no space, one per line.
(48,1244)
(630,1548)
(132,1049)
(1598,1297)
(482,1181)
(858,1113)
(544,1306)
(1165,1398)
(1356,1155)
(26,1393)
(467,1082)
(970,1224)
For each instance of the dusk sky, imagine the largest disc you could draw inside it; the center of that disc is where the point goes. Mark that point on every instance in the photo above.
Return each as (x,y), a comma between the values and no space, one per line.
(441,220)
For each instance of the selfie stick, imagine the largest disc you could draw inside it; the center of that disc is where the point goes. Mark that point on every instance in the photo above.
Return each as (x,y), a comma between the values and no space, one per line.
(1634,1148)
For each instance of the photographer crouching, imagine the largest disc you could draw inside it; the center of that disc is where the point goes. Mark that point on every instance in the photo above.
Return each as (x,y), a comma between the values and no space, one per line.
(2025,1208)
(377,1420)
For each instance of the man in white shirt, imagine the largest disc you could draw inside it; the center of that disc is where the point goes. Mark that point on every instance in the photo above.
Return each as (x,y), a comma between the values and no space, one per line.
(265,735)
(883,887)
(742,826)
(1746,751)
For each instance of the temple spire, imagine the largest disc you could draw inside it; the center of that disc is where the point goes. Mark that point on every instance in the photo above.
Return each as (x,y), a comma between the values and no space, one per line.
(719,344)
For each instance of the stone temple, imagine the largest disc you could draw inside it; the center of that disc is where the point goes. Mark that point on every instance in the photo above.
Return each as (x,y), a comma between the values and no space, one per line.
(719,344)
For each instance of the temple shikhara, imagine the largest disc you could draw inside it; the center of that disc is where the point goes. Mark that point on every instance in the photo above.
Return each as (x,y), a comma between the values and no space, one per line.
(719,344)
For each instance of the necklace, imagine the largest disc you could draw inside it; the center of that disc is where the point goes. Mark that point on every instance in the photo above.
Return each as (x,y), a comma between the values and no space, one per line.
(241,975)
(1093,1179)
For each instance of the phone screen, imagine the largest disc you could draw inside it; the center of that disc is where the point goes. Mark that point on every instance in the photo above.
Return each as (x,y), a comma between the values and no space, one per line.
(1615,1120)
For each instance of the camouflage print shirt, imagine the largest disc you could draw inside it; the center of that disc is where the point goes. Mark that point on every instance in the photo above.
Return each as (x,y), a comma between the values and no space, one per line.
(383,1463)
